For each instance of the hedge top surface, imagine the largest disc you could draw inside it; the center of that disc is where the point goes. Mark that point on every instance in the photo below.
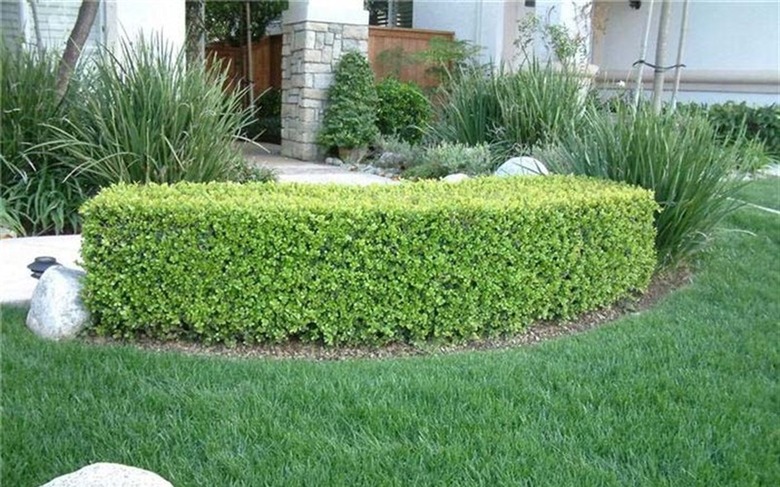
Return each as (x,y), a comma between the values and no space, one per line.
(485,193)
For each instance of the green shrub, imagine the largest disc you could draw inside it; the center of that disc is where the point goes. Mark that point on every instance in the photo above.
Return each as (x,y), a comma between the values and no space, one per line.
(761,123)
(36,195)
(266,121)
(512,111)
(145,116)
(350,118)
(340,264)
(403,110)
(457,158)
(677,156)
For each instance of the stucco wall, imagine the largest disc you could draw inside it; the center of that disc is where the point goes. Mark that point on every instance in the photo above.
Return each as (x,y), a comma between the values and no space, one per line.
(732,50)
(163,18)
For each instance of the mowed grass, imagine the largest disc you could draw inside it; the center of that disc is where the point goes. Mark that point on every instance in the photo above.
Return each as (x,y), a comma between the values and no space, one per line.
(683,394)
(762,192)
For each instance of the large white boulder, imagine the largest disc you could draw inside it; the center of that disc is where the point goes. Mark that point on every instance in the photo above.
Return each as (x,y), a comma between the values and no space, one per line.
(456,178)
(109,475)
(56,309)
(522,166)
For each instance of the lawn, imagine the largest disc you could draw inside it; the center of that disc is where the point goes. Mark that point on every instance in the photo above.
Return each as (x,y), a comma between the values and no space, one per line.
(683,394)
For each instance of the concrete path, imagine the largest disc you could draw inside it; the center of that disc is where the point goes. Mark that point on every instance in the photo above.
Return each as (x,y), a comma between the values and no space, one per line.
(16,285)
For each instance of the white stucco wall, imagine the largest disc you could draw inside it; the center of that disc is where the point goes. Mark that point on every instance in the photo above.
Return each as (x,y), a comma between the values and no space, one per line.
(164,18)
(732,50)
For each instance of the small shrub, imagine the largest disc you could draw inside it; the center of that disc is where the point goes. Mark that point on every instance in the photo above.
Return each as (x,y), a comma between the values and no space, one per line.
(457,158)
(340,264)
(350,118)
(392,153)
(677,156)
(145,116)
(36,196)
(403,110)
(761,123)
(266,121)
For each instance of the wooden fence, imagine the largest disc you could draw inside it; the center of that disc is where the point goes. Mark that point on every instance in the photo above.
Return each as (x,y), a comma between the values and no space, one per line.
(389,52)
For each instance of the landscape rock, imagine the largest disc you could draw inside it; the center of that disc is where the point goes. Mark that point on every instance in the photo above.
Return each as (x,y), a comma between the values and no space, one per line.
(334,161)
(56,309)
(522,166)
(109,475)
(456,178)
(390,160)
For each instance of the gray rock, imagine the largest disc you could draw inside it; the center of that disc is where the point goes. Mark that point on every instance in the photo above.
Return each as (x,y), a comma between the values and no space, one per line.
(334,161)
(56,309)
(109,475)
(522,166)
(456,178)
(390,160)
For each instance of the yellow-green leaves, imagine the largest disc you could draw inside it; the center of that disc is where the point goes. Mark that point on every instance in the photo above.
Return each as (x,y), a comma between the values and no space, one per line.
(259,262)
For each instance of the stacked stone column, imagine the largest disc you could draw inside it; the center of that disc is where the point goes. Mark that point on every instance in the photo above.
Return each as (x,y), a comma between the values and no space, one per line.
(310,52)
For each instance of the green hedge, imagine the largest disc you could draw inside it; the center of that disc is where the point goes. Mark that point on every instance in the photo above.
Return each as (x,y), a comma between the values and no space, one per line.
(222,262)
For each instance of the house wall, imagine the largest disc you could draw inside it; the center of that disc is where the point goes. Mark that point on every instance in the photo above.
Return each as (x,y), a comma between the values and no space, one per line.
(164,18)
(11,21)
(732,50)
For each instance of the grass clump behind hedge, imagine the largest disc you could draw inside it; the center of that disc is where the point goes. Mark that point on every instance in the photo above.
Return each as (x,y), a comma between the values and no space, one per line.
(222,262)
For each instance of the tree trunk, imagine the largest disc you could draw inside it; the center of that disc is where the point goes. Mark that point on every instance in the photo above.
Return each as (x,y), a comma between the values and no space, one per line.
(76,40)
(196,31)
(36,25)
(660,55)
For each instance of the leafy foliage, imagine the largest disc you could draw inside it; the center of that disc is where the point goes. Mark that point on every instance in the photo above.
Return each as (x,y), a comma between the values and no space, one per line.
(350,118)
(447,158)
(225,21)
(36,197)
(403,110)
(760,123)
(149,118)
(677,156)
(344,264)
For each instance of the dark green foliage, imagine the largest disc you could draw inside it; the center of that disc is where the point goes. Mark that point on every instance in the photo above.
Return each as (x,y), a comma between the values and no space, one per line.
(761,123)
(146,117)
(36,196)
(225,21)
(350,118)
(266,124)
(677,156)
(222,262)
(403,110)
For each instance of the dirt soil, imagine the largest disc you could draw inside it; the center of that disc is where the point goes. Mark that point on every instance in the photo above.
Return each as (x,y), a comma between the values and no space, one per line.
(660,286)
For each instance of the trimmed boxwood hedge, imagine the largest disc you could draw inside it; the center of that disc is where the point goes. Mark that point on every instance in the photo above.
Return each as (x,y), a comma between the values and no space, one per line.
(222,262)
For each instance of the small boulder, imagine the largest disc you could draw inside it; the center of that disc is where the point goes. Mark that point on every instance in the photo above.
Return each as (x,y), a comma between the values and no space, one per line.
(522,166)
(56,309)
(456,178)
(109,475)
(390,160)
(334,161)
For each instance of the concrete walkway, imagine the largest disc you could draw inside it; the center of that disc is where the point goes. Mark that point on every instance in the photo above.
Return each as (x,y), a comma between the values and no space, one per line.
(16,285)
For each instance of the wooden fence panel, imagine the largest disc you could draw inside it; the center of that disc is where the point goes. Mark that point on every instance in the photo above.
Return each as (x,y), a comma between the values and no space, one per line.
(389,48)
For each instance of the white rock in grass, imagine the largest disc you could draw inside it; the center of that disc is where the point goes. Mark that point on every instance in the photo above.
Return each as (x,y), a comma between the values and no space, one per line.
(522,166)
(56,309)
(456,178)
(109,475)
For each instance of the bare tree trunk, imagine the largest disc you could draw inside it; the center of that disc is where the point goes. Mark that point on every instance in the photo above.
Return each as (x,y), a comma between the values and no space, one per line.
(196,31)
(76,40)
(36,24)
(250,74)
(660,55)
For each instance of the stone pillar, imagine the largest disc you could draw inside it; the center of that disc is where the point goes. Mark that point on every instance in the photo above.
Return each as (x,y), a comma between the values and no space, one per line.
(315,34)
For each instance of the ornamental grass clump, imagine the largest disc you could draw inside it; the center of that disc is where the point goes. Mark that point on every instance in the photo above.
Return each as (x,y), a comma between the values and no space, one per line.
(148,117)
(36,197)
(679,157)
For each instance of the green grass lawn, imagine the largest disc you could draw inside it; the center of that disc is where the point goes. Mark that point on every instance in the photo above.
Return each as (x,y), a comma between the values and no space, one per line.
(684,394)
(763,192)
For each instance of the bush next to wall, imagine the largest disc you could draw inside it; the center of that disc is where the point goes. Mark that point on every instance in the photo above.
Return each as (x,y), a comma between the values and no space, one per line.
(404,111)
(221,262)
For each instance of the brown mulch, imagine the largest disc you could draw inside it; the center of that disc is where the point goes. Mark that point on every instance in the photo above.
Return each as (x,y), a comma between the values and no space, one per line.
(660,286)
